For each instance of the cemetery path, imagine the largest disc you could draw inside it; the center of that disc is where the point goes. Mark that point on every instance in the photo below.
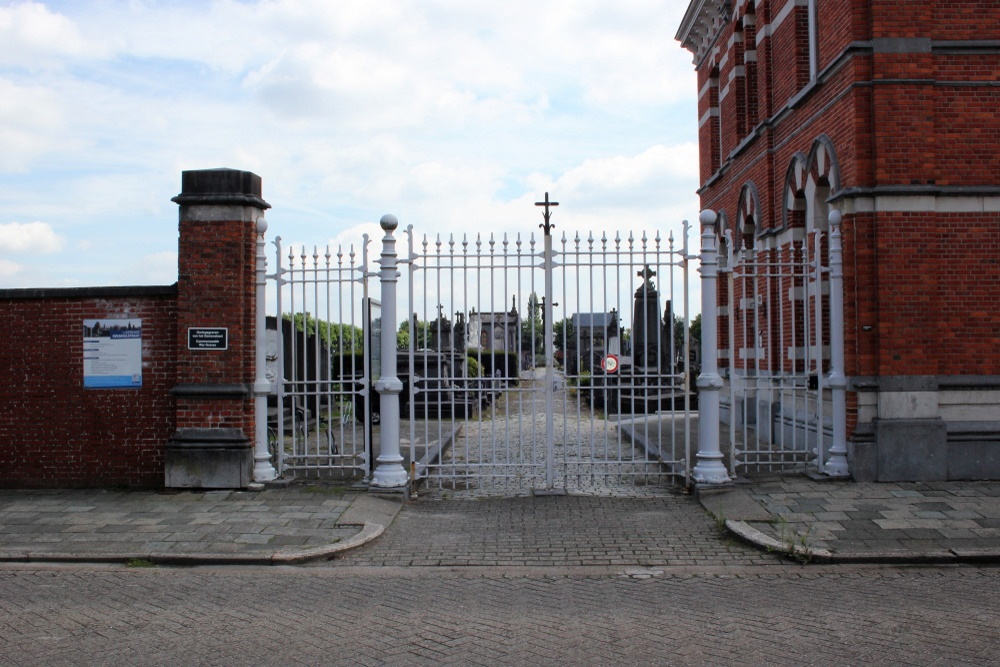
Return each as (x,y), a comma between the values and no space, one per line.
(504,451)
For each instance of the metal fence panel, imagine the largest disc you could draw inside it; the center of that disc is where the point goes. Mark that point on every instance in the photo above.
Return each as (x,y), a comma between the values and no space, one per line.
(319,357)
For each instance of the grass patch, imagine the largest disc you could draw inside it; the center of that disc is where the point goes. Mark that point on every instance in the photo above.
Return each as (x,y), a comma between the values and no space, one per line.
(795,546)
(139,562)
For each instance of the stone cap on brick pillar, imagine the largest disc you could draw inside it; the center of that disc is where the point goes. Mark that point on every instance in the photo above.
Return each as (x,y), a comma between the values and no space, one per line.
(222,186)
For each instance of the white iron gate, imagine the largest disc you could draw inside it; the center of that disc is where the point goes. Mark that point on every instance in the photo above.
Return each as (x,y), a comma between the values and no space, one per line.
(526,350)
(523,362)
(319,344)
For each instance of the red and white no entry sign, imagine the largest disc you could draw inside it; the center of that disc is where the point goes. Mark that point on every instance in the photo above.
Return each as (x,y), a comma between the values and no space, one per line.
(610,364)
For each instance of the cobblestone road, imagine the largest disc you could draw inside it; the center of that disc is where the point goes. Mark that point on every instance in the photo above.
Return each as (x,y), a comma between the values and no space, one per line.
(504,452)
(782,615)
(556,531)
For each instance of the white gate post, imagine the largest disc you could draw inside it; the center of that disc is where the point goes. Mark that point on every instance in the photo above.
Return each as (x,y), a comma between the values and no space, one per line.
(709,469)
(390,473)
(550,376)
(263,471)
(836,466)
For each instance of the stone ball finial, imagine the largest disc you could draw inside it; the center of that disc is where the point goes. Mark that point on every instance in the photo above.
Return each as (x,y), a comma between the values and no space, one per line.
(261,225)
(835,217)
(708,217)
(388,222)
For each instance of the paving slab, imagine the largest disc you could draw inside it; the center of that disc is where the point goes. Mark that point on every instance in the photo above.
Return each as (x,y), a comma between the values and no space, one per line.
(294,524)
(809,520)
(843,521)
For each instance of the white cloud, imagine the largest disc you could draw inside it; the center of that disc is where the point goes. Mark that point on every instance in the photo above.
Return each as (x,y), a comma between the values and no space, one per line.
(455,116)
(643,178)
(33,37)
(154,269)
(31,121)
(9,269)
(30,237)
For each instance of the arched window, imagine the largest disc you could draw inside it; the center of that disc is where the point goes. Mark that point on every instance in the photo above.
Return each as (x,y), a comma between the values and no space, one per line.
(822,179)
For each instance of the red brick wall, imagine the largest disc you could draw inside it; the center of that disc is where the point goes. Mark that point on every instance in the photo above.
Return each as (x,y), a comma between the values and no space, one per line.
(938,278)
(55,433)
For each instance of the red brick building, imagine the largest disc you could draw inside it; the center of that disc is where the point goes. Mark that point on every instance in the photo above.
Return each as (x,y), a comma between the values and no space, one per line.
(887,112)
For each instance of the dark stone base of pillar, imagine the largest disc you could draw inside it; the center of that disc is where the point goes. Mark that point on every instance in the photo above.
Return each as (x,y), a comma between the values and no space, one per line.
(209,458)
(925,450)
(912,450)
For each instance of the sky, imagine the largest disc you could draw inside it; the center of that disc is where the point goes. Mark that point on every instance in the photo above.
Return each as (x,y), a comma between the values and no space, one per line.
(453,115)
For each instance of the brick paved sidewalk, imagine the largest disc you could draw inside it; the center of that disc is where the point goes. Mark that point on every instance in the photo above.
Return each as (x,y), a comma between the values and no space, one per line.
(841,521)
(272,526)
(819,521)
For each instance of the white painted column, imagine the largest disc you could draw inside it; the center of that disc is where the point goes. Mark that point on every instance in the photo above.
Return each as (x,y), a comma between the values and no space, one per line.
(389,473)
(263,471)
(709,469)
(837,466)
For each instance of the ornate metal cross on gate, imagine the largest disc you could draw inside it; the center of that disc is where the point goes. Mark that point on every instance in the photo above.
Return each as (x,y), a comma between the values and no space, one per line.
(547,204)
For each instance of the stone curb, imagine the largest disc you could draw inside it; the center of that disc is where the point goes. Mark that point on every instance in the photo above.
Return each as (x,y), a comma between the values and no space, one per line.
(358,514)
(750,535)
(369,532)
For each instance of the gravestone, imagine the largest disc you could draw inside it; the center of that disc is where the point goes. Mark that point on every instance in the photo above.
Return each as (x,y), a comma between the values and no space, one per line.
(647,384)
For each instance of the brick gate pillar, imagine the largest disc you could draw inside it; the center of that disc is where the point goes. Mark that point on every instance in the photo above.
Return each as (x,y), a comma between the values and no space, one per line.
(212,446)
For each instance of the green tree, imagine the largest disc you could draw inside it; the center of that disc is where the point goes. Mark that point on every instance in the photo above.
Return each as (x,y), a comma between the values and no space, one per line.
(337,337)
(403,335)
(564,334)
(532,332)
(696,331)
